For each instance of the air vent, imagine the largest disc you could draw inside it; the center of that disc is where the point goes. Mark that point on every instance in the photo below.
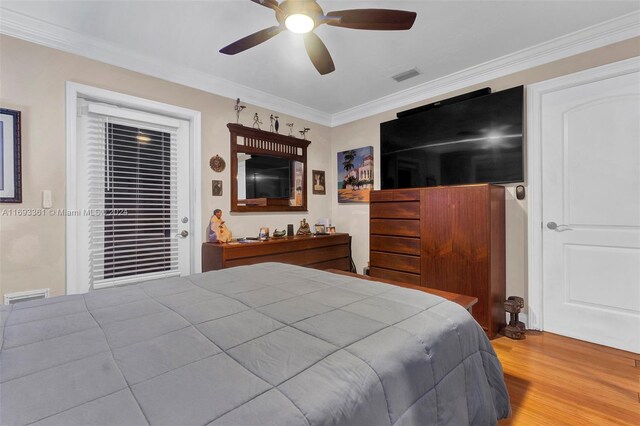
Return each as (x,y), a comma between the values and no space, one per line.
(24,296)
(406,75)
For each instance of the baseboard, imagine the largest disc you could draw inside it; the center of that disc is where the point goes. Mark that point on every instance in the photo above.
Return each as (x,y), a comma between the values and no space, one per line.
(23,296)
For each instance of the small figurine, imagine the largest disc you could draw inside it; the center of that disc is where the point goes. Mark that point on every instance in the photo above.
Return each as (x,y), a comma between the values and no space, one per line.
(290,125)
(304,133)
(272,119)
(515,329)
(238,108)
(256,121)
(304,229)
(279,234)
(277,123)
(218,231)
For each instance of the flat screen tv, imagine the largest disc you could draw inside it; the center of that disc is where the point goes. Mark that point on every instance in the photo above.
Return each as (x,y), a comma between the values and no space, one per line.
(478,140)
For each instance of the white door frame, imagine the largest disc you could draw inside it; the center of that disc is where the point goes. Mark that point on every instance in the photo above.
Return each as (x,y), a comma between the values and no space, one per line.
(535,93)
(76,90)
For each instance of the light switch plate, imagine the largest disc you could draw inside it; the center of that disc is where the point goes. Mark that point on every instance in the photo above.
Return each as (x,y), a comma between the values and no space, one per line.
(47,199)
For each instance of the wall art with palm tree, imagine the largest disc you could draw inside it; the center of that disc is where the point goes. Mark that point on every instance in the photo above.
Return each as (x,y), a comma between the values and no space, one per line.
(355,175)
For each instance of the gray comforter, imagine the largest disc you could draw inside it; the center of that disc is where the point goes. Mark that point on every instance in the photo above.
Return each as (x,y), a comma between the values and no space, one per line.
(269,344)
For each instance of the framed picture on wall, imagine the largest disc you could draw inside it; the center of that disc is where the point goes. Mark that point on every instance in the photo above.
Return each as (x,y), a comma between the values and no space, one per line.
(319,185)
(355,175)
(216,188)
(10,157)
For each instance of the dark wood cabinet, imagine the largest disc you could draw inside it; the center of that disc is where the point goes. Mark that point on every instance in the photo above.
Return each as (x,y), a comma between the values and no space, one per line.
(446,238)
(320,252)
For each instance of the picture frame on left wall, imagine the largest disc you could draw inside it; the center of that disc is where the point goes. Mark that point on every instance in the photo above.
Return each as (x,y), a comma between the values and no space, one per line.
(10,157)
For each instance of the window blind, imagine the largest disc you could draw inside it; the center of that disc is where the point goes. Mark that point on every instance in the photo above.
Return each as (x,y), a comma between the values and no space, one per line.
(132,200)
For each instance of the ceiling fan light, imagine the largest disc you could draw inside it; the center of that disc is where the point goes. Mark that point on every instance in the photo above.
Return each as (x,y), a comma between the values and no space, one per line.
(299,23)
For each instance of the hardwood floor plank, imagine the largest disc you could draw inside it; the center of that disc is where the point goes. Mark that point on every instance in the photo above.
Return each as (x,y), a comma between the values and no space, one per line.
(555,380)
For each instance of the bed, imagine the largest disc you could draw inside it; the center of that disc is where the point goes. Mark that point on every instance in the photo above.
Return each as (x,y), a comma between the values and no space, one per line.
(267,344)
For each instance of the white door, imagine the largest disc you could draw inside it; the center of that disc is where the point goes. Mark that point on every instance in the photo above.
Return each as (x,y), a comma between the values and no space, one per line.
(590,136)
(133,221)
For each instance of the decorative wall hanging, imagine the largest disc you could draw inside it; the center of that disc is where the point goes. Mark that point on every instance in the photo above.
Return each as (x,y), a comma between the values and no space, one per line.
(319,186)
(216,188)
(238,108)
(10,157)
(217,164)
(355,175)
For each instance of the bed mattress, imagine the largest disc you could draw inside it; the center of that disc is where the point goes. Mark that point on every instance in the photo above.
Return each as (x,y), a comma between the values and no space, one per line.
(267,344)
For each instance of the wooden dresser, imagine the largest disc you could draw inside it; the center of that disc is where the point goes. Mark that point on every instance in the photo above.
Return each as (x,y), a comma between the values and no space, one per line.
(446,238)
(320,252)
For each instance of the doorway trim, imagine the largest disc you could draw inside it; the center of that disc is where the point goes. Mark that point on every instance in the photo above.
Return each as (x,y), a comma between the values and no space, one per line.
(535,93)
(75,90)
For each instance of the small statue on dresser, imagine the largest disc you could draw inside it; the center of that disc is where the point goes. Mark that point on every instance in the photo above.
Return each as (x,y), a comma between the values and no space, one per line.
(304,229)
(218,231)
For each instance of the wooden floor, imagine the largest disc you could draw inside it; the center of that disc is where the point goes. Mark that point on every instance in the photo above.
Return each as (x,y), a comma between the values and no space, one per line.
(555,380)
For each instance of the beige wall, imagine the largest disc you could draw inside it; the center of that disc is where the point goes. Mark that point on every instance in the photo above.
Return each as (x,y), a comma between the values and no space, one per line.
(354,218)
(32,80)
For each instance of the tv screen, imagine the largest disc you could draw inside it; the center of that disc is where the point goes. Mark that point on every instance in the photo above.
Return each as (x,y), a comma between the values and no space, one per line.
(268,177)
(478,140)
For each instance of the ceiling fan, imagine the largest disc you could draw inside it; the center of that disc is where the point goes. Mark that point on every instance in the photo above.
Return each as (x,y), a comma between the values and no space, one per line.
(303,16)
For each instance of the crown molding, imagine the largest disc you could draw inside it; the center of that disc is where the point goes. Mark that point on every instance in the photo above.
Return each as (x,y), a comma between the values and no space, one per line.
(599,35)
(46,34)
(36,31)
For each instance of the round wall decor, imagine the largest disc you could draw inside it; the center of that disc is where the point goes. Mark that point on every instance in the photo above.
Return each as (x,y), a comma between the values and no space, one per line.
(217,164)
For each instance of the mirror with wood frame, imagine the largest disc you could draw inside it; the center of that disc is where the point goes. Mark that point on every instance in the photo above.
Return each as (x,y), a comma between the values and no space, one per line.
(268,171)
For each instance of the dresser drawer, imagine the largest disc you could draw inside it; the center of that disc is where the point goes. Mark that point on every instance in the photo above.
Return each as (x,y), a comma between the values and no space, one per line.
(395,244)
(402,277)
(400,210)
(301,258)
(398,227)
(390,195)
(397,262)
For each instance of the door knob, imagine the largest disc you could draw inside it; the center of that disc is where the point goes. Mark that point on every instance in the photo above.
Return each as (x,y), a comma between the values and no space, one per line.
(559,228)
(183,234)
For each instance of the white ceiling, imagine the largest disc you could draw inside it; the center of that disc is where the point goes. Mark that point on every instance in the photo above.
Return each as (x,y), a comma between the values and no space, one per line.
(447,37)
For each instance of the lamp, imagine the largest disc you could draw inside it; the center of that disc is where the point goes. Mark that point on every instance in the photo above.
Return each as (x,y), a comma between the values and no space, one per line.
(299,23)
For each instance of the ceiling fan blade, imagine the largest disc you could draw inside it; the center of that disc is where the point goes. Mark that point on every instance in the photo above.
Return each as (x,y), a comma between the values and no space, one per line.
(318,54)
(372,19)
(271,4)
(251,40)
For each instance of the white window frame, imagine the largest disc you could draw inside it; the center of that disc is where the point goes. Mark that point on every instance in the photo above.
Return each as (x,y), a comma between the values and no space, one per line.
(75,91)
